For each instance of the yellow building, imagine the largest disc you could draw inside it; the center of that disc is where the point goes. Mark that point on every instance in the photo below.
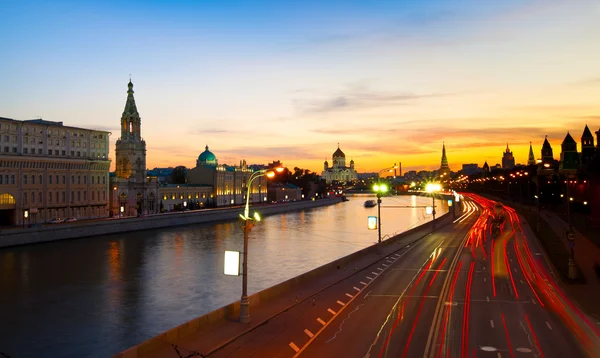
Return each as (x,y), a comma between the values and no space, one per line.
(50,171)
(174,197)
(228,182)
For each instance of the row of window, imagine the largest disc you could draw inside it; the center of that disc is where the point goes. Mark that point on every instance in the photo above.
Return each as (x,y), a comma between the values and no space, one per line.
(174,196)
(61,197)
(94,179)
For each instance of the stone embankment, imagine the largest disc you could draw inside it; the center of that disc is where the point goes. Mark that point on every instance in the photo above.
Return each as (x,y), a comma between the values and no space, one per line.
(14,237)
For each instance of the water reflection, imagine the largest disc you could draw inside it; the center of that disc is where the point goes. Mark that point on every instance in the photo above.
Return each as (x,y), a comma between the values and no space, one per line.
(95,297)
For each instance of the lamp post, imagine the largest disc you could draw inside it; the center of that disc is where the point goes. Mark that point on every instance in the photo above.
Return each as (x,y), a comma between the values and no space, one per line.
(249,223)
(381,189)
(433,188)
(25,216)
(121,212)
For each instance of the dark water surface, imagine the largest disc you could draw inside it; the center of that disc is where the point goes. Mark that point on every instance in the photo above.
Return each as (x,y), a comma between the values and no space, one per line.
(98,296)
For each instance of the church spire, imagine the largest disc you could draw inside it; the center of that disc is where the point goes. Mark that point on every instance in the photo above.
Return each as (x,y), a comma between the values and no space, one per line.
(130,120)
(531,160)
(444,165)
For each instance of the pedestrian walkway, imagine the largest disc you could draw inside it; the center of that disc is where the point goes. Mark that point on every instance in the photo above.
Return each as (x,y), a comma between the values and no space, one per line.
(587,254)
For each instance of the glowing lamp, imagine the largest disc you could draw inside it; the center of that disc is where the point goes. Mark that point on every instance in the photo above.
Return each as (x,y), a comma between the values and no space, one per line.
(232,263)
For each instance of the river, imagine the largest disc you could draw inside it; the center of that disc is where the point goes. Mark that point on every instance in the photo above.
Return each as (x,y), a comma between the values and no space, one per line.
(95,297)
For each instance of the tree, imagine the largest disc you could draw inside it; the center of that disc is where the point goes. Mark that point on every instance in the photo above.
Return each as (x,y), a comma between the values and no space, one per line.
(178,175)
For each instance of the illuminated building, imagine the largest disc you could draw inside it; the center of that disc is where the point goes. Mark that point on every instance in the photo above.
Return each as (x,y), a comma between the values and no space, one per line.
(508,160)
(133,192)
(339,171)
(50,171)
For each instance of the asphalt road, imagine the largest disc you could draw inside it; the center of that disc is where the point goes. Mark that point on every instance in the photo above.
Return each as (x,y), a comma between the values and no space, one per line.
(434,299)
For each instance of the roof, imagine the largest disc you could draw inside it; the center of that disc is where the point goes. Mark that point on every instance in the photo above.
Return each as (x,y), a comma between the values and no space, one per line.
(546,144)
(207,156)
(587,133)
(339,153)
(44,122)
(568,139)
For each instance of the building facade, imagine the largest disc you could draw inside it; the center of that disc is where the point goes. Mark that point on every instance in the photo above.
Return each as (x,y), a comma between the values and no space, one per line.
(177,197)
(508,160)
(50,171)
(282,192)
(339,171)
(134,193)
(228,182)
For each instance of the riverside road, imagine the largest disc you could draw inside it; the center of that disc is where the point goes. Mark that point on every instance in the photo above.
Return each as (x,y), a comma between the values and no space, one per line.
(95,297)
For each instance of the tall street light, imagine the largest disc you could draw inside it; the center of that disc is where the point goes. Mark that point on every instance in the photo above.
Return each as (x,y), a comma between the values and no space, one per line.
(249,223)
(381,189)
(433,188)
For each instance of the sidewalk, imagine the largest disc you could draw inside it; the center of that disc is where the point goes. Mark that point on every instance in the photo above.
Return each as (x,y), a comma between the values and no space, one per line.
(586,256)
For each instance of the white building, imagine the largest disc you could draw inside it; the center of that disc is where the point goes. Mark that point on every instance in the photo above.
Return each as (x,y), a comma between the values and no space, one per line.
(339,171)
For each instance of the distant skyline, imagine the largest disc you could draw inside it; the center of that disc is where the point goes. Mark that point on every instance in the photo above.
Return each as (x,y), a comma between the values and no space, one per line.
(269,80)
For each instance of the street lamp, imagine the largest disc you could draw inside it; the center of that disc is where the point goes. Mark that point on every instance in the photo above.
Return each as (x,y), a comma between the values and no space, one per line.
(122,210)
(25,216)
(249,223)
(433,188)
(379,189)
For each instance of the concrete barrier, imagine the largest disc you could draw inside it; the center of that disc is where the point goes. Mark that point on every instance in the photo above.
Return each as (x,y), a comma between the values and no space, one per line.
(231,311)
(14,237)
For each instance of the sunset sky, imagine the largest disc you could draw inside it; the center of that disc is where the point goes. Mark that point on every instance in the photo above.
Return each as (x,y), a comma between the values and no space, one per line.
(287,80)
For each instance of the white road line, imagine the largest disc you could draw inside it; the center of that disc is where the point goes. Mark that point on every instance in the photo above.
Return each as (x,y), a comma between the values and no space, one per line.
(385,265)
(492,323)
(294,347)
(487,299)
(549,326)
(356,288)
(522,283)
(515,270)
(532,300)
(370,278)
(321,321)
(375,273)
(308,333)
(485,279)
(380,269)
(389,261)
(349,295)
(364,283)
(340,303)
(331,311)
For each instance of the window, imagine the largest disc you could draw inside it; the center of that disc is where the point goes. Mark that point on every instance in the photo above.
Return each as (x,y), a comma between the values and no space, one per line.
(12,179)
(25,198)
(72,197)
(92,194)
(41,180)
(25,179)
(0,179)
(103,180)
(41,200)
(78,196)
(63,196)
(72,179)
(57,180)
(72,153)
(49,179)
(49,151)
(40,151)
(92,179)
(25,150)
(79,154)
(64,179)
(98,181)
(79,179)
(57,197)
(98,195)
(6,149)
(32,198)
(49,197)
(33,179)
(55,152)
(85,196)
(85,179)
(64,152)
(103,195)
(14,149)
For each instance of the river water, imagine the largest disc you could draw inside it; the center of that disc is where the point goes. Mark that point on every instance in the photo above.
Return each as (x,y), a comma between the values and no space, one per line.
(95,297)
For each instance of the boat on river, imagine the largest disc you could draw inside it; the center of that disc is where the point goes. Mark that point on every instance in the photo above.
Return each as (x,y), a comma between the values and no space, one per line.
(370,203)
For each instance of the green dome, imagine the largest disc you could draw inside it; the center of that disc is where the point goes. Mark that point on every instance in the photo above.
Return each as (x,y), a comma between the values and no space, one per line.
(207,157)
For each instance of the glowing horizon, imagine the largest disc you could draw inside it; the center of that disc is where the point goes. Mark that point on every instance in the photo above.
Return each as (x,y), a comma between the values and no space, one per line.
(389,81)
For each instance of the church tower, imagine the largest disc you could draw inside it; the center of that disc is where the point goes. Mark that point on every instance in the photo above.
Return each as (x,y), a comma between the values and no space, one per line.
(132,192)
(569,158)
(131,148)
(587,146)
(508,160)
(531,159)
(547,155)
(444,168)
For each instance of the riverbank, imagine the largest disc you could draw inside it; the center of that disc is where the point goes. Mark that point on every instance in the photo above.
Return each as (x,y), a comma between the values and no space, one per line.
(220,326)
(16,237)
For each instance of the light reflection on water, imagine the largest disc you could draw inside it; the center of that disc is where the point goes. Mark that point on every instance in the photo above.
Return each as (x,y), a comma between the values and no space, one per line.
(96,297)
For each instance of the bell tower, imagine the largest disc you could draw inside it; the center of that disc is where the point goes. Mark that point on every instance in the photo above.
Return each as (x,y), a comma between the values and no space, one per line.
(131,148)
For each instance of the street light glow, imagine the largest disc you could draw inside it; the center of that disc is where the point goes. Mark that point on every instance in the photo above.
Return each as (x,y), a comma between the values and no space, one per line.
(433,187)
(270,174)
(279,169)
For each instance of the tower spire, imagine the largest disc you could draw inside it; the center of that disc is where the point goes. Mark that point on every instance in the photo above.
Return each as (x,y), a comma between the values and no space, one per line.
(531,158)
(444,168)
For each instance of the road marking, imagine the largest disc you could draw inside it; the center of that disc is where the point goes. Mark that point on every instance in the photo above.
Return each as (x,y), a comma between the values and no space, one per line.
(487,299)
(375,273)
(515,270)
(294,347)
(390,261)
(331,311)
(532,300)
(385,265)
(380,269)
(492,323)
(522,283)
(370,278)
(485,279)
(549,326)
(349,295)
(356,288)
(364,283)
(308,333)
(321,321)
(340,303)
